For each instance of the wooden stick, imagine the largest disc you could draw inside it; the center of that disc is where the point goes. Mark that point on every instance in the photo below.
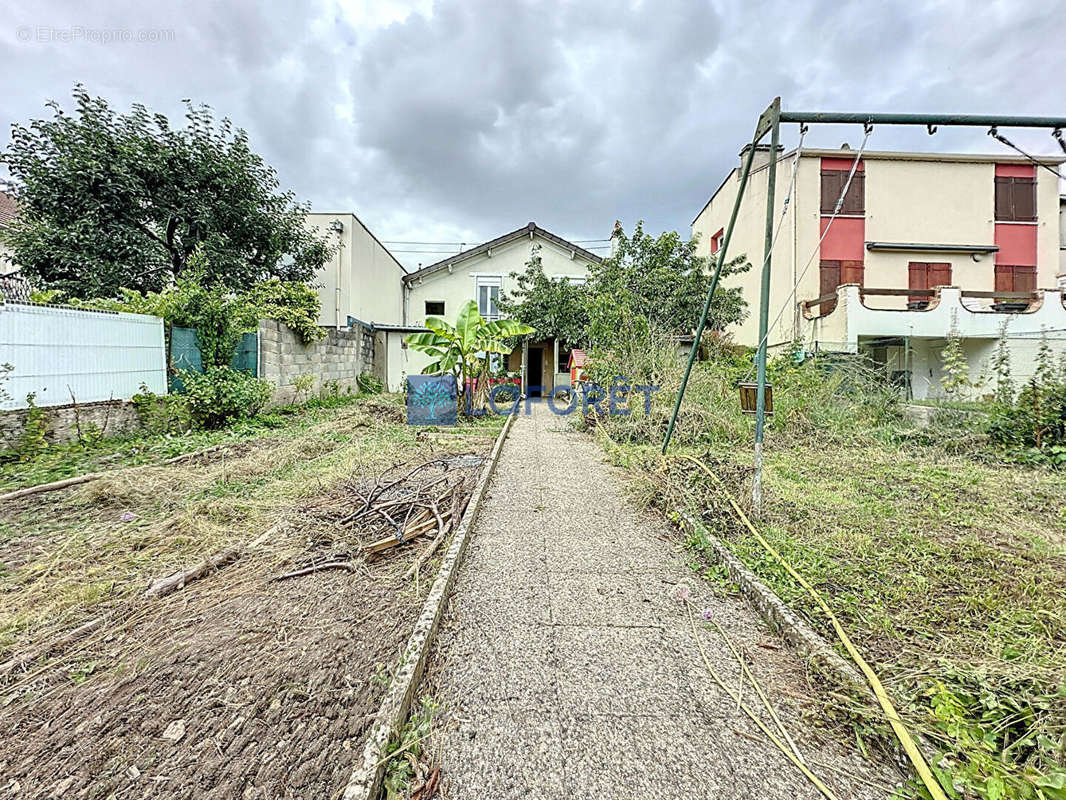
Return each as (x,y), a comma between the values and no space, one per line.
(92,476)
(161,587)
(410,533)
(348,565)
(442,531)
(34,653)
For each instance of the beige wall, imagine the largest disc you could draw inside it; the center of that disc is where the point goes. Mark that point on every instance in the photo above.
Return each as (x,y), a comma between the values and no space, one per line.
(366,274)
(798,227)
(1062,241)
(7,266)
(933,202)
(457,285)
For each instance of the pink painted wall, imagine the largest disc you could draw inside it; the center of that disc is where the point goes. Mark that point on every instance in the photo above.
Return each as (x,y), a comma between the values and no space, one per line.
(843,164)
(1017,243)
(1015,170)
(846,239)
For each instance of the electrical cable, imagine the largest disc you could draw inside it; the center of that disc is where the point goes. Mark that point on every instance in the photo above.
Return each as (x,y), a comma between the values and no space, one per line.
(995,134)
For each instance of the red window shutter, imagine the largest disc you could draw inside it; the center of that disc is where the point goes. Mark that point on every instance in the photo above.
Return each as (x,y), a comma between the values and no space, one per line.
(851,272)
(917,278)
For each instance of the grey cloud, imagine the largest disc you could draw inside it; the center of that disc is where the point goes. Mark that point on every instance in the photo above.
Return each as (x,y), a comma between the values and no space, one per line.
(467,118)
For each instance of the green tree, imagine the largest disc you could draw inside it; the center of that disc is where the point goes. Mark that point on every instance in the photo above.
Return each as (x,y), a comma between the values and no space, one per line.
(110,201)
(462,349)
(662,281)
(556,307)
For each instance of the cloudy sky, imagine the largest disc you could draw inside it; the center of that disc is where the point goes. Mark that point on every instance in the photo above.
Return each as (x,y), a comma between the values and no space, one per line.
(458,120)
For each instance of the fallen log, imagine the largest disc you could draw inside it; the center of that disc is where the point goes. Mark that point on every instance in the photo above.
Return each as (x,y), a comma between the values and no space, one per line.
(92,476)
(161,587)
(66,639)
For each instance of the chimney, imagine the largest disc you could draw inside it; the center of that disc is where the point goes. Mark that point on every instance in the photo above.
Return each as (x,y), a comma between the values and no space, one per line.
(762,155)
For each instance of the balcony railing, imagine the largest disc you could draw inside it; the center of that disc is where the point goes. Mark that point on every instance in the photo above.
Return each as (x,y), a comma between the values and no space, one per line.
(1020,299)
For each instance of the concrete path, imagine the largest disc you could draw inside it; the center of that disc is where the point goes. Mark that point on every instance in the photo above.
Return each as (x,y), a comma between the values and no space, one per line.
(567,668)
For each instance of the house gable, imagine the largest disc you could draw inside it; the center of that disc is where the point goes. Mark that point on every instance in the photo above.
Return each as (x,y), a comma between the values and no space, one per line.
(456,281)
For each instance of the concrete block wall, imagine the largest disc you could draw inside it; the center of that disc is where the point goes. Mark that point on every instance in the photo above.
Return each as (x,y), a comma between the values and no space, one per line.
(341,356)
(111,417)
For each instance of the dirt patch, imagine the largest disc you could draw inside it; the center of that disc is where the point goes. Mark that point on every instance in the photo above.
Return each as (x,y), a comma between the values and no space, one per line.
(239,685)
(263,694)
(385,412)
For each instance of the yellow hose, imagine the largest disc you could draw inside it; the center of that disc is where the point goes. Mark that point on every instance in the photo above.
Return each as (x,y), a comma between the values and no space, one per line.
(825,790)
(904,737)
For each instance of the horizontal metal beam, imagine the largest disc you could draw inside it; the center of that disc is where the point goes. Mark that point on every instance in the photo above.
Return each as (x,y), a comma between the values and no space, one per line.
(972,120)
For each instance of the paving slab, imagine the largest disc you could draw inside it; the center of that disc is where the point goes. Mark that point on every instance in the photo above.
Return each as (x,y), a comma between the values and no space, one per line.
(567,667)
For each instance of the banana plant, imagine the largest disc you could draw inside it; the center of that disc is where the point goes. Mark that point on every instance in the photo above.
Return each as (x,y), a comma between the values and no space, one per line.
(460,348)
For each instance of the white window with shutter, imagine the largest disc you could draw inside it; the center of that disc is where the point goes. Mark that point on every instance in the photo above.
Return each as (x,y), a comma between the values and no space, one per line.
(488,295)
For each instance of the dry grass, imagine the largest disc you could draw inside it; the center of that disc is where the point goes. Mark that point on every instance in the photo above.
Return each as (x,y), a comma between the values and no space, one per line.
(70,556)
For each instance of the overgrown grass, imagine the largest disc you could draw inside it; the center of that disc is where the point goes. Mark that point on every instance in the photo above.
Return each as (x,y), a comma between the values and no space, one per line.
(57,461)
(69,556)
(948,570)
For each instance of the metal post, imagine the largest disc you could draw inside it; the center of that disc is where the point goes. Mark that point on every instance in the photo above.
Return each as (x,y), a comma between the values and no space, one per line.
(768,116)
(764,310)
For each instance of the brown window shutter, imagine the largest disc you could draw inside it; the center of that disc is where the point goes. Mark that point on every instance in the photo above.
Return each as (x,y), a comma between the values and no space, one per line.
(1025,279)
(1004,205)
(851,272)
(939,275)
(831,187)
(830,280)
(1004,278)
(1024,199)
(855,200)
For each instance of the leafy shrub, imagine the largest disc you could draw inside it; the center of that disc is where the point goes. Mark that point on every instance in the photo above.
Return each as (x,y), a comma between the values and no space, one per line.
(34,433)
(368,384)
(301,385)
(162,414)
(1032,426)
(222,395)
(291,302)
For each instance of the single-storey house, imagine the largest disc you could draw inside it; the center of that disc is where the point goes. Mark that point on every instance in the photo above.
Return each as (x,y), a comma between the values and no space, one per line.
(482,274)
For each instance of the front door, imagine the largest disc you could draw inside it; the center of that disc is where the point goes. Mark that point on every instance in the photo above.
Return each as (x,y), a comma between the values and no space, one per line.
(535,372)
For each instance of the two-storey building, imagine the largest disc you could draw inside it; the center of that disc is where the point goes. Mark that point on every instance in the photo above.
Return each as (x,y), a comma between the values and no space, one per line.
(920,245)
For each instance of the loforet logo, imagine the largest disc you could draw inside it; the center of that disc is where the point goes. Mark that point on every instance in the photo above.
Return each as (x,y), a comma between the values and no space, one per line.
(431,400)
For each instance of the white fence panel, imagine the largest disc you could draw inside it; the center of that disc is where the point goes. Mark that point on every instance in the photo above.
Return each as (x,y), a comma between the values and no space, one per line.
(96,355)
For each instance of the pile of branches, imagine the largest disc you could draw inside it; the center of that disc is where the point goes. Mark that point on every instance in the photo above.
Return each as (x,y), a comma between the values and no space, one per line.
(399,511)
(393,511)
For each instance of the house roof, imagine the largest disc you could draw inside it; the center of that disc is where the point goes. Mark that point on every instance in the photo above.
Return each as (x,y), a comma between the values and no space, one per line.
(577,358)
(9,209)
(526,230)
